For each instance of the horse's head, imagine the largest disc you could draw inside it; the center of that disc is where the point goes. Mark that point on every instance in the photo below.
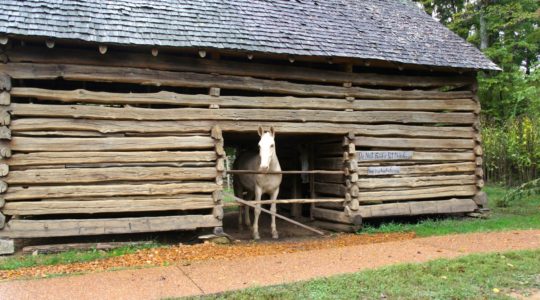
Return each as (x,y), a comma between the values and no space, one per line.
(267,148)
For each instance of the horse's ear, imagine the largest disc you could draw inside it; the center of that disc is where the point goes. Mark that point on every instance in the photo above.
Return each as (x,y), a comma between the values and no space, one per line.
(260,130)
(272,131)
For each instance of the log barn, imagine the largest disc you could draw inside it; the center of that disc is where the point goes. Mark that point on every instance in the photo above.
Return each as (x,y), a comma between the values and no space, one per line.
(115,114)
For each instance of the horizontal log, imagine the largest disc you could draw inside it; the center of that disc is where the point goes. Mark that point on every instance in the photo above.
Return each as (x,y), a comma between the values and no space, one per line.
(290,201)
(330,189)
(375,183)
(418,193)
(170,98)
(196,80)
(417,208)
(190,114)
(331,215)
(272,71)
(107,206)
(31,144)
(401,143)
(62,158)
(284,172)
(467,167)
(17,228)
(330,178)
(51,192)
(381,156)
(119,126)
(5,82)
(5,98)
(94,175)
(337,227)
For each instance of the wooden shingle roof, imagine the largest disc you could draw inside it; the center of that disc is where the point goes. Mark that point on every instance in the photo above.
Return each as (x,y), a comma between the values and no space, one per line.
(390,30)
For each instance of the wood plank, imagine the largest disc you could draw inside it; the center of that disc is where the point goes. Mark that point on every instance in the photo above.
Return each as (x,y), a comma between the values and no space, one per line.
(62,158)
(417,208)
(272,71)
(191,114)
(406,143)
(197,80)
(94,175)
(31,144)
(105,206)
(121,126)
(466,167)
(418,193)
(374,183)
(330,189)
(379,156)
(330,215)
(17,228)
(51,192)
(170,98)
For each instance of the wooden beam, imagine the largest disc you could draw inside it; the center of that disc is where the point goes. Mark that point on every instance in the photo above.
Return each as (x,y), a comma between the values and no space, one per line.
(198,80)
(62,158)
(417,208)
(17,228)
(331,215)
(113,190)
(468,167)
(187,114)
(170,98)
(122,126)
(94,175)
(406,143)
(30,144)
(177,63)
(107,206)
(418,193)
(376,183)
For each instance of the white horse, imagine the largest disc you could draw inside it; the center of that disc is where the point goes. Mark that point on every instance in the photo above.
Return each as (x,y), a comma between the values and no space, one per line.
(255,185)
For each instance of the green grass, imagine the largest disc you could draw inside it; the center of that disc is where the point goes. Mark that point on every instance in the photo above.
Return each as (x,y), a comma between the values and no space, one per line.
(470,277)
(522,214)
(22,261)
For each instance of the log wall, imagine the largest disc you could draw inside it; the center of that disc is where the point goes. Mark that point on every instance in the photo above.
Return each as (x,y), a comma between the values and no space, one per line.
(87,134)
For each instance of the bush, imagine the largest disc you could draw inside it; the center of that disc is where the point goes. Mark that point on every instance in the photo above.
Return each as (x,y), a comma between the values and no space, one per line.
(512,151)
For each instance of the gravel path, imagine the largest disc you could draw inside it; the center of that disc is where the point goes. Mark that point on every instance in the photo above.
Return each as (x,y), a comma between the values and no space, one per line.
(212,276)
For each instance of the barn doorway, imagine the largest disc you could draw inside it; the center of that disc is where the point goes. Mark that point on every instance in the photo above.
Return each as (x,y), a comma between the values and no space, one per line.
(296,152)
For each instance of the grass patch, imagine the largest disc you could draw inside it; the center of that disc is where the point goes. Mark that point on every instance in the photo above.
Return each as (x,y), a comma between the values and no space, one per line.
(23,261)
(491,276)
(523,214)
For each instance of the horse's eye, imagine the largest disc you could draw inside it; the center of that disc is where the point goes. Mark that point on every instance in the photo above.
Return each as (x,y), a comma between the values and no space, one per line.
(272,146)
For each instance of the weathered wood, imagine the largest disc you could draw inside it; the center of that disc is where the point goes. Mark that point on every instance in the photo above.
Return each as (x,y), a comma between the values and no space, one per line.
(431,169)
(4,169)
(331,215)
(5,133)
(284,172)
(170,98)
(5,151)
(481,199)
(417,208)
(31,144)
(62,158)
(17,228)
(2,220)
(333,178)
(5,82)
(375,183)
(418,193)
(121,126)
(330,189)
(94,175)
(3,187)
(337,227)
(380,156)
(5,117)
(400,143)
(5,98)
(107,206)
(187,114)
(198,80)
(50,192)
(272,71)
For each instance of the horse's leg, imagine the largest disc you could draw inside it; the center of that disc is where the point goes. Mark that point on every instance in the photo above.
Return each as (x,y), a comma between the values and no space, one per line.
(240,210)
(273,209)
(258,195)
(246,210)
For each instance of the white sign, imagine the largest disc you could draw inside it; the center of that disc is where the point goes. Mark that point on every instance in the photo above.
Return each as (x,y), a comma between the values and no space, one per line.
(384,155)
(389,170)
